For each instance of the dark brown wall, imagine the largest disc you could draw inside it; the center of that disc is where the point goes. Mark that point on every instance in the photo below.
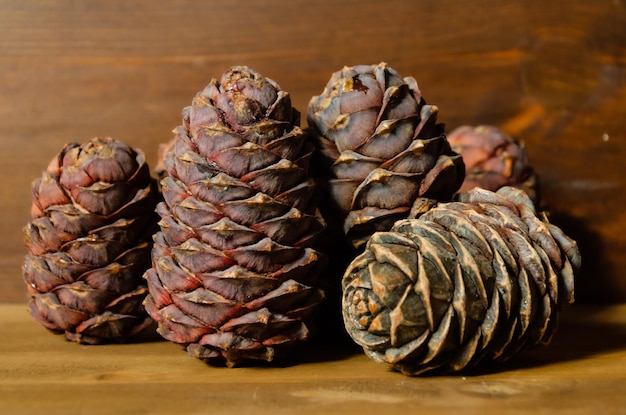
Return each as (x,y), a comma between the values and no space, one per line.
(551,73)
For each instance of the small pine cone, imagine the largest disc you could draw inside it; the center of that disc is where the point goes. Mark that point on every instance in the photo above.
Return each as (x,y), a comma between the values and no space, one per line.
(493,159)
(89,242)
(379,147)
(234,274)
(164,148)
(466,282)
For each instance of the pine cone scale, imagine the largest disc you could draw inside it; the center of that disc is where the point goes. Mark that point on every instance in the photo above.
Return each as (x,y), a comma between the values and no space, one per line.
(52,314)
(47,192)
(39,277)
(172,277)
(238,283)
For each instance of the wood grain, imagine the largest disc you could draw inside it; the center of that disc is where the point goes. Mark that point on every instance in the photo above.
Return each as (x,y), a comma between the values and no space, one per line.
(581,372)
(550,73)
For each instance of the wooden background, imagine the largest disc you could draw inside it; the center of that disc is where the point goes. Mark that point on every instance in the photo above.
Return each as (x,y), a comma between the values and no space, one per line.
(552,73)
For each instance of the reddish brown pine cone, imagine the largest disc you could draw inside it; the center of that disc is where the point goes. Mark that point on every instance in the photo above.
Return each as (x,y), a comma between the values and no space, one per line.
(164,148)
(89,242)
(467,282)
(493,159)
(234,275)
(379,147)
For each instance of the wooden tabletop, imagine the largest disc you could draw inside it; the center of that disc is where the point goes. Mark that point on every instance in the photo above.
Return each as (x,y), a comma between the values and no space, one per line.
(580,372)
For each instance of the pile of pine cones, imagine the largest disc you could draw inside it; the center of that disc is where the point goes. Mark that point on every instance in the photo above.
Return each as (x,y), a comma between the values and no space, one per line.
(432,241)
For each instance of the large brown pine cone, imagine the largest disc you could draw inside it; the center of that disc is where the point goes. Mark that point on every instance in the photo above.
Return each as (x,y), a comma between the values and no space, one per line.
(234,276)
(493,159)
(89,242)
(466,282)
(379,147)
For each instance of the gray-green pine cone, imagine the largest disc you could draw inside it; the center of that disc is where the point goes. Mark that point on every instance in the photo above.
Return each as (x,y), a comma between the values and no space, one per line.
(234,274)
(379,147)
(89,242)
(467,282)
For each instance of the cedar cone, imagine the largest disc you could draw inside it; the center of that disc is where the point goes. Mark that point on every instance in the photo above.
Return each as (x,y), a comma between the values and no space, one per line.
(89,242)
(493,159)
(234,275)
(467,282)
(379,147)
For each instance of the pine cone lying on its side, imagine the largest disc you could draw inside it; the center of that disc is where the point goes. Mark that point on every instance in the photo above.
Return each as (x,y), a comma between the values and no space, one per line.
(466,282)
(234,274)
(89,242)
(379,147)
(493,159)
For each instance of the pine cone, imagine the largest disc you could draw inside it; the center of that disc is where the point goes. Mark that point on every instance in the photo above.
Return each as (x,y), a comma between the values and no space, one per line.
(234,274)
(467,282)
(379,148)
(159,170)
(493,159)
(89,242)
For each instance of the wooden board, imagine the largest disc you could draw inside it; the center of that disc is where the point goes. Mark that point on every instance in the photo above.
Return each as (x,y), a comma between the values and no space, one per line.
(581,372)
(550,73)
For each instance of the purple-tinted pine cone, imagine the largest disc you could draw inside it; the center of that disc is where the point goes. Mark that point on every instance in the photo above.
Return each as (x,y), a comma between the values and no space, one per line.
(89,242)
(379,148)
(493,159)
(234,272)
